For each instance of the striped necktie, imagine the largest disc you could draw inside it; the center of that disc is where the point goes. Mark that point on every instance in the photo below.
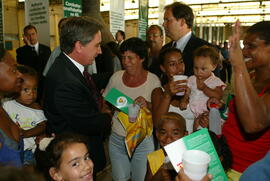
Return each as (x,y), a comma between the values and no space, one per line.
(92,86)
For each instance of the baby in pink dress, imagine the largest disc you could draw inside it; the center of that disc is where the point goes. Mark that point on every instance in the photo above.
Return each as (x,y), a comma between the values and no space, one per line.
(203,84)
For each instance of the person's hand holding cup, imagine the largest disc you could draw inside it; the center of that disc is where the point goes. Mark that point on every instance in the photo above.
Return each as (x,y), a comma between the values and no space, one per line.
(181,82)
(133,110)
(195,164)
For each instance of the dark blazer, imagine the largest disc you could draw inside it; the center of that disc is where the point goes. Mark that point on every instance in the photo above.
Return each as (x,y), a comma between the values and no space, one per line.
(26,56)
(70,107)
(192,45)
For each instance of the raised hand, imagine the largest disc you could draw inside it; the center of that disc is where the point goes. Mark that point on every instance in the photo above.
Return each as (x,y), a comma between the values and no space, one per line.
(236,55)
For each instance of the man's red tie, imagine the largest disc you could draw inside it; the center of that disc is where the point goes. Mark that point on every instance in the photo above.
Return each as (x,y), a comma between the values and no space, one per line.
(92,86)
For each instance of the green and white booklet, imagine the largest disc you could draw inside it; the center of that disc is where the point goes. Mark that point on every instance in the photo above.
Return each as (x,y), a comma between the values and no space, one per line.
(119,100)
(199,140)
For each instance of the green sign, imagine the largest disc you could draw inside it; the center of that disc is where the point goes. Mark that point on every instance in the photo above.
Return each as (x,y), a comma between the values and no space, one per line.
(72,8)
(143,18)
(1,25)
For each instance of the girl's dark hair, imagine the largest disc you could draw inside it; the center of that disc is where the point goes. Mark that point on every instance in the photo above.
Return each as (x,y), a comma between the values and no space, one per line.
(51,157)
(165,51)
(26,70)
(137,46)
(222,149)
(161,59)
(262,30)
(207,51)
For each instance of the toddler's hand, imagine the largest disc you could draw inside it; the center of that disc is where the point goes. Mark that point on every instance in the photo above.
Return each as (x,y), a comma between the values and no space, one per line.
(201,120)
(200,84)
(214,100)
(183,105)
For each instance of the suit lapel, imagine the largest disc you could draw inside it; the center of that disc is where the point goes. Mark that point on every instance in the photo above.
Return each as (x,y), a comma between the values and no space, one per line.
(189,44)
(73,69)
(76,72)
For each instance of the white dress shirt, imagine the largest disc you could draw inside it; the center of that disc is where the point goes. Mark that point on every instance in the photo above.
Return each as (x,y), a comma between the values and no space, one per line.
(182,42)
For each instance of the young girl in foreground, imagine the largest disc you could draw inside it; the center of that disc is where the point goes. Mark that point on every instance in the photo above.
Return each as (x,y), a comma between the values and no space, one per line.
(69,159)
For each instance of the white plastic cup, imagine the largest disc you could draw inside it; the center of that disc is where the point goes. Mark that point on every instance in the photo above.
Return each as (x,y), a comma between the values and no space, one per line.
(180,77)
(195,164)
(133,110)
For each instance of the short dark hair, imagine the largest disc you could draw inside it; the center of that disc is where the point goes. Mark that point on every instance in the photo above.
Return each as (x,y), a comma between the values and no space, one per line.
(172,116)
(82,29)
(262,30)
(166,51)
(181,10)
(207,51)
(155,26)
(122,33)
(26,70)
(61,22)
(137,46)
(28,27)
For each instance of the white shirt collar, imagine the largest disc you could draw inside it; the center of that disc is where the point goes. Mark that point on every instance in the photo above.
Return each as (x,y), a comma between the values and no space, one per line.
(35,46)
(182,42)
(78,65)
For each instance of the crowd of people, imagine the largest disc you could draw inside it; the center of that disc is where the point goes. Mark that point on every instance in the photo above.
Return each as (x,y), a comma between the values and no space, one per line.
(54,118)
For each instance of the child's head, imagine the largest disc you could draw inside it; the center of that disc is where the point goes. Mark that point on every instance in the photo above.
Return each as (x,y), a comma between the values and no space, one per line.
(222,149)
(205,61)
(170,128)
(28,93)
(69,158)
(171,62)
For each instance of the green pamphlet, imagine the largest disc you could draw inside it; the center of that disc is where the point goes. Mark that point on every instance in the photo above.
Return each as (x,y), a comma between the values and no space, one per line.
(199,140)
(119,100)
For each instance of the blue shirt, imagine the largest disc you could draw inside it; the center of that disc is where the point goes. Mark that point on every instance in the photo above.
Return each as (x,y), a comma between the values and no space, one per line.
(260,170)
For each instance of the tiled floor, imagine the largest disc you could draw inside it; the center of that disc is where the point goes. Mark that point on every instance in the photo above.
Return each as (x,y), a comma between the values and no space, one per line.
(105,175)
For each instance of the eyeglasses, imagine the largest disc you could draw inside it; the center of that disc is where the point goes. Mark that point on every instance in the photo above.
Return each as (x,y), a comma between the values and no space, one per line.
(153,35)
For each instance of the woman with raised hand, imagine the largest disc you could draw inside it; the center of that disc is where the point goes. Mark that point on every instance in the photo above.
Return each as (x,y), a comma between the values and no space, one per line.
(247,127)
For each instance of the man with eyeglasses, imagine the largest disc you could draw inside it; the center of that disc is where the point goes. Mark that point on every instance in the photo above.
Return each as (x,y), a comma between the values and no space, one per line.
(155,43)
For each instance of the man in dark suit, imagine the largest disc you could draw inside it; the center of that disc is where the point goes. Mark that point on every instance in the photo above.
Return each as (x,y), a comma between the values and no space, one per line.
(33,54)
(178,22)
(71,102)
